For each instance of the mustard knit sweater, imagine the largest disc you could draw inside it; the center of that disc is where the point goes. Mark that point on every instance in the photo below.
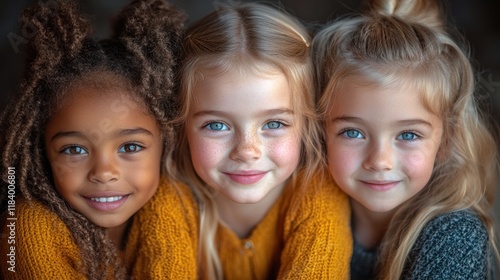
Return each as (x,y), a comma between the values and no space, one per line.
(304,236)
(167,242)
(44,247)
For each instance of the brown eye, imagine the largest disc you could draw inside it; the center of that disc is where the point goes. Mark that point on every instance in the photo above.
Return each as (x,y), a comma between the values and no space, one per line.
(130,148)
(74,150)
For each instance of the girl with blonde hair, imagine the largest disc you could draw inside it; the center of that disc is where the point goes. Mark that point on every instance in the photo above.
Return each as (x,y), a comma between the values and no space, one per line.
(248,147)
(407,142)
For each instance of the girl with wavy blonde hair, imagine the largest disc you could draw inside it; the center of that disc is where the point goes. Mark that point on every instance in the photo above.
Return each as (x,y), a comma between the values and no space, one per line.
(406,140)
(248,148)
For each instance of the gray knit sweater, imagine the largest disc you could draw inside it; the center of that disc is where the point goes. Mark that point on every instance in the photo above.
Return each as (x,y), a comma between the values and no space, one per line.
(451,246)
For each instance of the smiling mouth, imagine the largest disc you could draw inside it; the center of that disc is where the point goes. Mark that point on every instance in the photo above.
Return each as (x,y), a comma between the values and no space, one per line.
(380,185)
(107,203)
(246,178)
(106,199)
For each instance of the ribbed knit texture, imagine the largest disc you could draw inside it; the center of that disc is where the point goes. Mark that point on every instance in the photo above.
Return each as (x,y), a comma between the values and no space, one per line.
(451,246)
(165,232)
(44,246)
(304,236)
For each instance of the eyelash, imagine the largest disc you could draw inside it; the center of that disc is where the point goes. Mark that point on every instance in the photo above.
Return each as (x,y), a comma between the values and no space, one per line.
(65,149)
(414,133)
(141,147)
(207,125)
(343,131)
(280,123)
(417,136)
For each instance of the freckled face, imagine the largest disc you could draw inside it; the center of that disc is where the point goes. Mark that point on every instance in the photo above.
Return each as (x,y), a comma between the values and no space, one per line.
(243,134)
(105,155)
(381,144)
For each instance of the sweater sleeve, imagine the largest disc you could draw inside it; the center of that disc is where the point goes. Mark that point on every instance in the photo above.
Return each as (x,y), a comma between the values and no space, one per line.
(451,246)
(317,235)
(43,247)
(163,238)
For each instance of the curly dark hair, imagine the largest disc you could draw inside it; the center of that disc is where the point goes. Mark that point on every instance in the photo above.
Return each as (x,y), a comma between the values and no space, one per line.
(142,52)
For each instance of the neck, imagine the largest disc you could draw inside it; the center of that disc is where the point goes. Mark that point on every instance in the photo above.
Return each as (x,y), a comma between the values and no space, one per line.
(369,227)
(117,234)
(242,218)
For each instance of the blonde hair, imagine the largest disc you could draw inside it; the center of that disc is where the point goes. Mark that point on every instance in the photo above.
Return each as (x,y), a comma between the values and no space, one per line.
(243,37)
(404,43)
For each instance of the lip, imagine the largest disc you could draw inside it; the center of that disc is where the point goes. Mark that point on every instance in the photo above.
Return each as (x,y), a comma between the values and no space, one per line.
(107,201)
(380,185)
(246,177)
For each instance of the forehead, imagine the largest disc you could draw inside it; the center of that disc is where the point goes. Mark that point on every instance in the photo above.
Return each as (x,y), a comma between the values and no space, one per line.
(380,103)
(241,92)
(90,103)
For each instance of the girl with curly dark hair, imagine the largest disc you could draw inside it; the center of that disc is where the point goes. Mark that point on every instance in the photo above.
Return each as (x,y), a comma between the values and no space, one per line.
(82,142)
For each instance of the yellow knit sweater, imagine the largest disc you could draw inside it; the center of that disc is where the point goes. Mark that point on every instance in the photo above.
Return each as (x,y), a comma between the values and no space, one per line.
(166,242)
(44,247)
(304,236)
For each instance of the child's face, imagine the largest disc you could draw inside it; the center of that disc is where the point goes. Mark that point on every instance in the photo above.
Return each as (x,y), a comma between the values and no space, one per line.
(243,134)
(381,144)
(105,155)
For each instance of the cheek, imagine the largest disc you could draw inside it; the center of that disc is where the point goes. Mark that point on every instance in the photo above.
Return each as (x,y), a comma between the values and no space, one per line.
(418,165)
(285,152)
(342,161)
(144,174)
(67,173)
(205,153)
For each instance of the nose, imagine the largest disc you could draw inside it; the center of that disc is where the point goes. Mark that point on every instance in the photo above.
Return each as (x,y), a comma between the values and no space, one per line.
(104,169)
(247,147)
(379,157)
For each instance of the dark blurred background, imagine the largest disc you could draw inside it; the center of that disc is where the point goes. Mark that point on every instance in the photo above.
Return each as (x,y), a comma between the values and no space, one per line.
(478,21)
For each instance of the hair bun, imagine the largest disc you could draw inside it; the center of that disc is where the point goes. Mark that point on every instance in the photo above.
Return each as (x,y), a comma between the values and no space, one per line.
(57,28)
(423,12)
(150,22)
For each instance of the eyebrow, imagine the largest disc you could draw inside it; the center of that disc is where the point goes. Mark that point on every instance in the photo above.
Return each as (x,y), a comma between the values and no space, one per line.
(271,112)
(400,122)
(64,134)
(134,131)
(121,133)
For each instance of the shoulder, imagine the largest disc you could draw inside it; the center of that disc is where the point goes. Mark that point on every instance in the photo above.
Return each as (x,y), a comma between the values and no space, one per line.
(317,234)
(319,196)
(458,228)
(33,218)
(453,245)
(163,238)
(172,195)
(42,243)
(173,207)
(319,207)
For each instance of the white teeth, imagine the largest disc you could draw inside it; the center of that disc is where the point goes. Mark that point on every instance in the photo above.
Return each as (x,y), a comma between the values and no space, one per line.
(106,199)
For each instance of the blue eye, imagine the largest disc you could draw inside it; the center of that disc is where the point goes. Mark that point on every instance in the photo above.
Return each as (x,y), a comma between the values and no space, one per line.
(407,136)
(74,150)
(130,148)
(273,125)
(217,126)
(352,133)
